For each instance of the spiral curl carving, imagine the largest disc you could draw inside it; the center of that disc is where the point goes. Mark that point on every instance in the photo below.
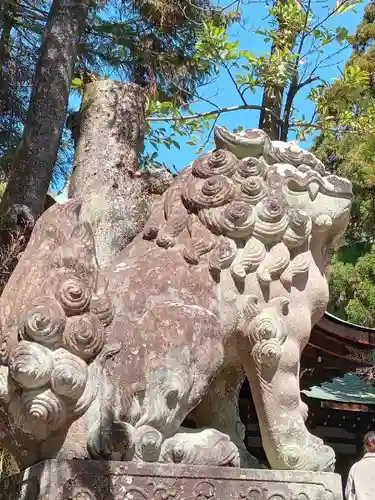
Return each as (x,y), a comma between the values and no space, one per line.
(294,155)
(73,294)
(218,162)
(271,222)
(147,443)
(293,456)
(43,408)
(213,192)
(300,457)
(271,210)
(84,336)
(43,322)
(267,353)
(31,365)
(264,328)
(238,220)
(299,229)
(237,212)
(268,324)
(253,190)
(69,376)
(249,167)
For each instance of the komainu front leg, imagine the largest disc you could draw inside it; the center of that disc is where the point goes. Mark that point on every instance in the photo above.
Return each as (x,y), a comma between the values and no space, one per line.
(270,347)
(219,410)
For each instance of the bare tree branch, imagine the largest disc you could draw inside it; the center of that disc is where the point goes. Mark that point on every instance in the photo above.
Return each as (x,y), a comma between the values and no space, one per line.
(212,113)
(234,83)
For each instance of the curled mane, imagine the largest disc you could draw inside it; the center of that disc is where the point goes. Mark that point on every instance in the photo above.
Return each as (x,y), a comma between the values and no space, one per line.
(236,210)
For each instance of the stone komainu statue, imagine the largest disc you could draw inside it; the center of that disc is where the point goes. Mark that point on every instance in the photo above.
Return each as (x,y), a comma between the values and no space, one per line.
(227,279)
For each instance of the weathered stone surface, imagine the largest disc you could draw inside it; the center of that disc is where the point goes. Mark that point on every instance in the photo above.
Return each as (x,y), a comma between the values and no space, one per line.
(226,279)
(99,480)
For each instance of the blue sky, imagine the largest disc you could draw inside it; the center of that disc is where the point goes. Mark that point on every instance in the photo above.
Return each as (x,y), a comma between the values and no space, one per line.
(222,91)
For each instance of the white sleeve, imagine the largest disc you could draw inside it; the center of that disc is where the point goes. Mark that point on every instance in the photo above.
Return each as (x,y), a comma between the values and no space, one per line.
(350,489)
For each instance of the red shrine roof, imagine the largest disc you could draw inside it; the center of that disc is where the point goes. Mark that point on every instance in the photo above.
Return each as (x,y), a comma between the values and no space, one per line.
(339,345)
(336,350)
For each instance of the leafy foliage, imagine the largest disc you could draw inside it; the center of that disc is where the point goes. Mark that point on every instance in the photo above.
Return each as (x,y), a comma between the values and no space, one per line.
(150,42)
(19,43)
(354,157)
(352,284)
(347,145)
(174,48)
(300,41)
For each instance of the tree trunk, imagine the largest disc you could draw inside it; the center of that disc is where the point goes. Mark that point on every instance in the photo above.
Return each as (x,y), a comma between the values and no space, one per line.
(291,94)
(8,18)
(25,195)
(271,121)
(273,101)
(116,197)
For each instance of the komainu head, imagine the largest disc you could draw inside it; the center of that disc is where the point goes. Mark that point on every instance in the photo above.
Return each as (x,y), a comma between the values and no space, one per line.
(253,191)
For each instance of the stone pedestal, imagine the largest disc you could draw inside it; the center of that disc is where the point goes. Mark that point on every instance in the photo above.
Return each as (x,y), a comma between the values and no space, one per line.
(100,480)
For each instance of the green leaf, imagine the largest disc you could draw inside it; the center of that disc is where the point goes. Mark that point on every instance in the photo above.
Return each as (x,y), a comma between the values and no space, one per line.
(341,35)
(77,83)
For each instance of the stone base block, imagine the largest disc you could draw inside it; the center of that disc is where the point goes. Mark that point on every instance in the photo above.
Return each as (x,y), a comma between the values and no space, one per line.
(100,480)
